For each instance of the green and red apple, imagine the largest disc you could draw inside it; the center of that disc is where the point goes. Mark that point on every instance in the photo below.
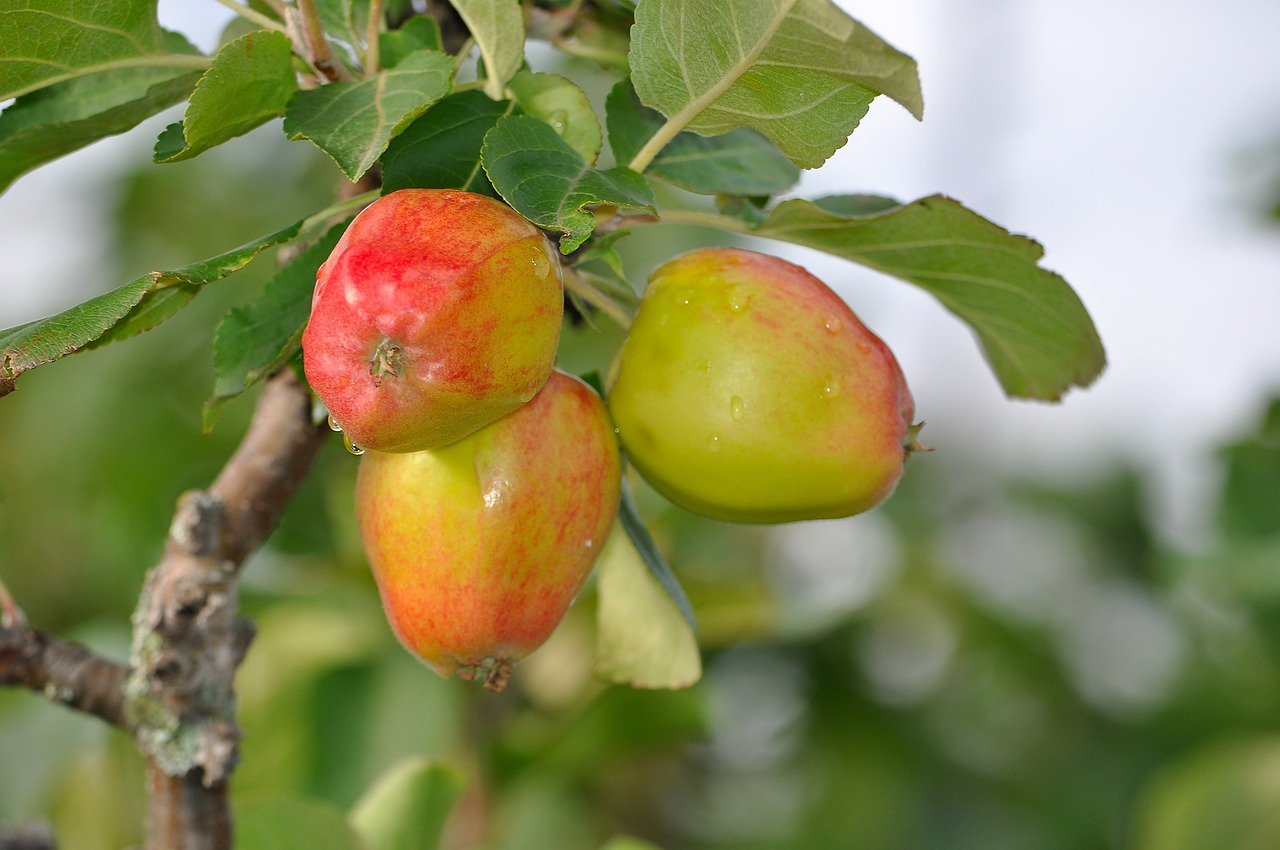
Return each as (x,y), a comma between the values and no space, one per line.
(479,547)
(747,390)
(437,313)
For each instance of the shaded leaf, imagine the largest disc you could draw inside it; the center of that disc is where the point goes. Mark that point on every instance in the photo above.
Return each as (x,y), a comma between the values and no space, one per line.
(740,162)
(498,28)
(643,639)
(294,824)
(257,340)
(249,83)
(638,532)
(59,40)
(441,150)
(627,842)
(421,32)
(802,72)
(1035,332)
(122,312)
(562,105)
(548,182)
(56,120)
(406,808)
(353,122)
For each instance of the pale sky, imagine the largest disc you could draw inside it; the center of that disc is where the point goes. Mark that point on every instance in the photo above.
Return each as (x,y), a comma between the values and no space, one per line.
(1128,139)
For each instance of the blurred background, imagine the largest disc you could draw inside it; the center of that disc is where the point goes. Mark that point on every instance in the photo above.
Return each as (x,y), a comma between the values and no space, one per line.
(1061,633)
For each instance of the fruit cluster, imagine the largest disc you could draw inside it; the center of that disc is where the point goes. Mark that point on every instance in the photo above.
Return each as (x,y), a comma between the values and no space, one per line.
(745,390)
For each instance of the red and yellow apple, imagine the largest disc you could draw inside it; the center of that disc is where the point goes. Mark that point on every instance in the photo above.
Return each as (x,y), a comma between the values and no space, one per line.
(437,313)
(479,547)
(747,390)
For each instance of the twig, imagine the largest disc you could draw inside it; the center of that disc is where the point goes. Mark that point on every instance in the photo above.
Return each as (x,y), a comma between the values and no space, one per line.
(316,45)
(372,57)
(65,672)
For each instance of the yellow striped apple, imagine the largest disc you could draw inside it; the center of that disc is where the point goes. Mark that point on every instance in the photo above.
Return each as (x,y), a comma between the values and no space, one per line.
(479,547)
(747,390)
(437,313)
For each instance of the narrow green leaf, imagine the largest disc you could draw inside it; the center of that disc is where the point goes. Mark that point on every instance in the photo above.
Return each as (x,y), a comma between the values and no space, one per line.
(441,150)
(407,807)
(58,40)
(56,120)
(648,550)
(249,83)
(294,824)
(740,162)
(802,72)
(255,341)
(548,182)
(1034,330)
(421,32)
(498,28)
(354,122)
(129,309)
(562,105)
(643,639)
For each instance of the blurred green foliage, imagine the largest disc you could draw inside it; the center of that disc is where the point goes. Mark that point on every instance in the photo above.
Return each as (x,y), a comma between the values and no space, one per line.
(978,664)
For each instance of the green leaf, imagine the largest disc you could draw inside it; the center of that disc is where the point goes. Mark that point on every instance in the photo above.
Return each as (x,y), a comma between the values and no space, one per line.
(648,550)
(1034,330)
(59,40)
(46,124)
(345,20)
(127,310)
(294,824)
(441,150)
(498,28)
(740,162)
(353,122)
(407,807)
(562,105)
(255,341)
(249,83)
(643,638)
(548,182)
(802,72)
(421,32)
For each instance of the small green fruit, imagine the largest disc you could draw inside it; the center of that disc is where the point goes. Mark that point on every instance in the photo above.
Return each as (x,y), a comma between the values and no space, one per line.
(437,313)
(479,547)
(748,391)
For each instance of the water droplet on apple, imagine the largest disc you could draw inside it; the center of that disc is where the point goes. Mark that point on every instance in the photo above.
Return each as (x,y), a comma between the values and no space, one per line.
(714,443)
(685,296)
(333,424)
(351,447)
(833,324)
(527,395)
(589,543)
(737,408)
(541,266)
(702,365)
(739,298)
(831,386)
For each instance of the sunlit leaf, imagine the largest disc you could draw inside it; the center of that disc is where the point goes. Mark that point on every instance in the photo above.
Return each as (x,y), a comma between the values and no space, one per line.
(57,40)
(56,120)
(538,173)
(498,28)
(740,162)
(802,72)
(406,808)
(643,639)
(1035,332)
(249,83)
(353,122)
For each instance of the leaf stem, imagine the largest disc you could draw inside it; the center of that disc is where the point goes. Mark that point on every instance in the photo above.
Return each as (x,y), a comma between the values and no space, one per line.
(252,15)
(372,59)
(317,46)
(574,283)
(334,210)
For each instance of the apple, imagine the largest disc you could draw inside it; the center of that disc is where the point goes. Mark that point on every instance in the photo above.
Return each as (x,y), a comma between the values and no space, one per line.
(437,313)
(746,390)
(478,548)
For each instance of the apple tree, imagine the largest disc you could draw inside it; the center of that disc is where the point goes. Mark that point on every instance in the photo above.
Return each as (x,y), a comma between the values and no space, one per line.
(747,392)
